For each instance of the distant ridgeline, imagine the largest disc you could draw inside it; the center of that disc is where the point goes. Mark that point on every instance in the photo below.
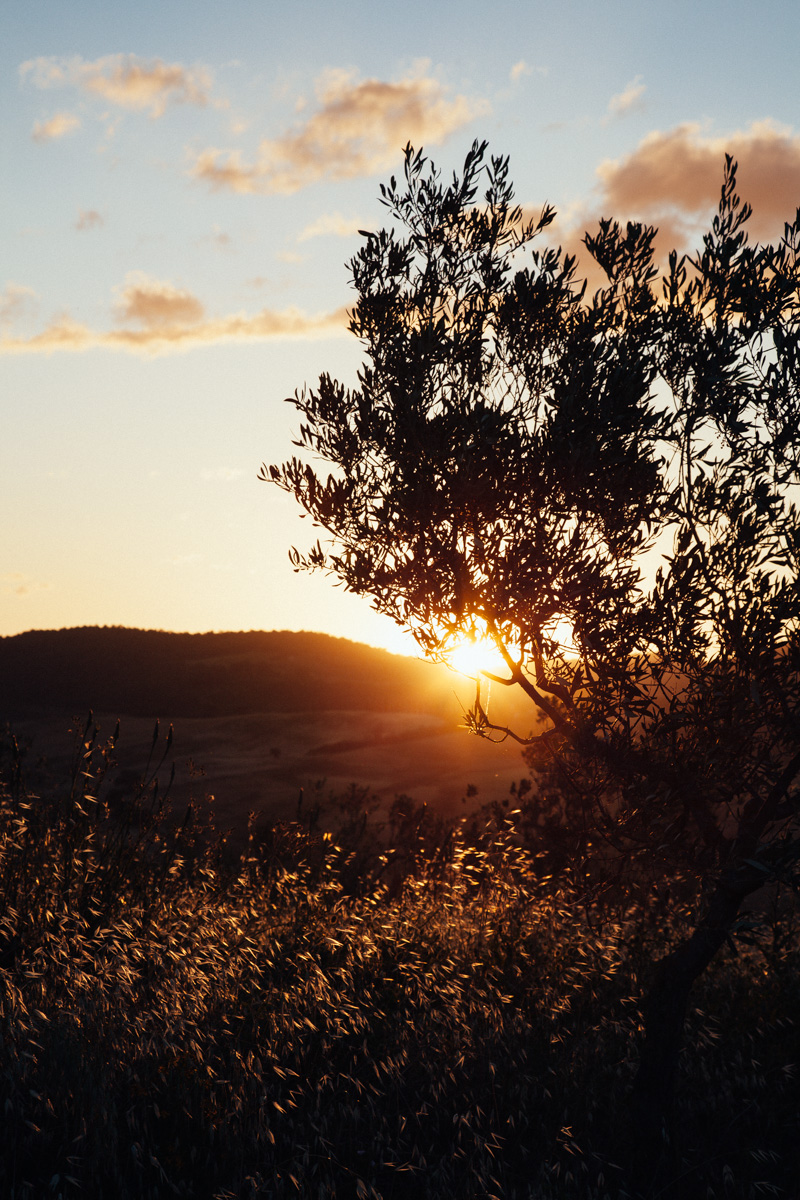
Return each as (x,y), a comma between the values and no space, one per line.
(140,672)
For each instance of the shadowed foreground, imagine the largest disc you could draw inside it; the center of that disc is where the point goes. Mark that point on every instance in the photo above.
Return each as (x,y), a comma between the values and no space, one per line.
(331,1017)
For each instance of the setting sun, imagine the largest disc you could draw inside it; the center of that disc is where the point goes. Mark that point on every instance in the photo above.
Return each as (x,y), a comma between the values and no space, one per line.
(477,655)
(474,656)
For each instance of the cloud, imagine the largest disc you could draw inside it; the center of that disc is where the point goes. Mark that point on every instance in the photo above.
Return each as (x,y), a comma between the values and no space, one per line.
(89,219)
(155,304)
(229,175)
(628,100)
(15,302)
(165,318)
(357,129)
(518,70)
(17,584)
(125,80)
(672,180)
(677,176)
(168,322)
(331,224)
(57,127)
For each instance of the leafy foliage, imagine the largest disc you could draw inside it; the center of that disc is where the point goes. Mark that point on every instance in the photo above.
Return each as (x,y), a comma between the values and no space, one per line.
(518,454)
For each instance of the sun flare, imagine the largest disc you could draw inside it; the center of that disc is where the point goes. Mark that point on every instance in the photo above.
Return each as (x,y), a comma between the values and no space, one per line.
(474,656)
(477,655)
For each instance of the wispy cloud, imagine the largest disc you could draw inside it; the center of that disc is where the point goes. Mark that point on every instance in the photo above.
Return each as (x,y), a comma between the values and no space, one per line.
(331,225)
(630,99)
(16,301)
(519,71)
(89,219)
(57,127)
(357,129)
(130,82)
(168,319)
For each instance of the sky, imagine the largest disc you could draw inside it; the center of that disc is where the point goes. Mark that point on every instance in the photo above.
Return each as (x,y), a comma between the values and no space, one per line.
(184,182)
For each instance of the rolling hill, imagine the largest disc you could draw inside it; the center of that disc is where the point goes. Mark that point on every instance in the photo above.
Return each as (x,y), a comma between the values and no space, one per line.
(257,715)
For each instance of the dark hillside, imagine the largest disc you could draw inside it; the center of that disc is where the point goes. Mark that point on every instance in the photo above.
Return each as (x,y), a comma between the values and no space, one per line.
(150,673)
(263,714)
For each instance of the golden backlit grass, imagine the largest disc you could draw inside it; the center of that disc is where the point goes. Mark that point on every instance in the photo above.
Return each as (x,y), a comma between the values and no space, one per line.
(442,1022)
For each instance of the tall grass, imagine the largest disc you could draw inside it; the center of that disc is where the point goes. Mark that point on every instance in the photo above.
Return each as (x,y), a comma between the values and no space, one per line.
(330,1016)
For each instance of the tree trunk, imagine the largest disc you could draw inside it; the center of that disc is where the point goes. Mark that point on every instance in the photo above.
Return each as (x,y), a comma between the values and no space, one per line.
(652,1147)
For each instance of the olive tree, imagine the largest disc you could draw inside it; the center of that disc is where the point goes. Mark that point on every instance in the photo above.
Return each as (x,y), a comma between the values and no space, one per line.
(520,457)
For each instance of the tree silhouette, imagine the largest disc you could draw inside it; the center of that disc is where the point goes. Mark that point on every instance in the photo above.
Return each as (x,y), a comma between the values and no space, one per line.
(519,457)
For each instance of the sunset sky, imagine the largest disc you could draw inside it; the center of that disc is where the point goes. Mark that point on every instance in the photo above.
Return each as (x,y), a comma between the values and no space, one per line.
(182,186)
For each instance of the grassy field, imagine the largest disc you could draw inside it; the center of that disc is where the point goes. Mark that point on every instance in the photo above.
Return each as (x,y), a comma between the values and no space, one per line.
(362,1004)
(258,762)
(261,715)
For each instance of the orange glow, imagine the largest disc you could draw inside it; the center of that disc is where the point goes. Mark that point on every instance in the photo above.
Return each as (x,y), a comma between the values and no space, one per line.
(562,633)
(476,655)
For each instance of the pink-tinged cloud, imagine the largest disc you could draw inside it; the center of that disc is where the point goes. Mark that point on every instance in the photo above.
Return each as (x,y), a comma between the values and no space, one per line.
(358,129)
(678,175)
(125,80)
(59,125)
(266,325)
(630,99)
(672,180)
(155,304)
(89,219)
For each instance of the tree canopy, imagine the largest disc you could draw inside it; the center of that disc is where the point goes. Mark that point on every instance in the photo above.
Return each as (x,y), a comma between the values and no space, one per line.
(520,456)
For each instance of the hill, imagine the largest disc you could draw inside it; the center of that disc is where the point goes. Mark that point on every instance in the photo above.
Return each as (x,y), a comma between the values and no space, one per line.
(152,673)
(259,714)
